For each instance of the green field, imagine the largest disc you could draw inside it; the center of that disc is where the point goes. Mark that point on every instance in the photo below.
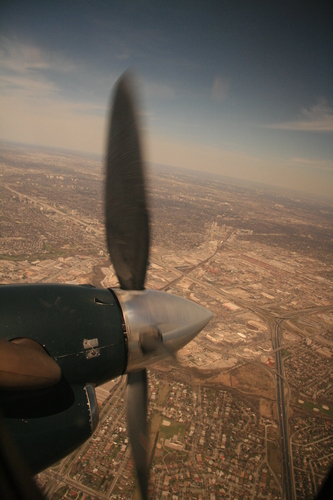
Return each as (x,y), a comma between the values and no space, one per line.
(274,458)
(163,393)
(310,405)
(175,428)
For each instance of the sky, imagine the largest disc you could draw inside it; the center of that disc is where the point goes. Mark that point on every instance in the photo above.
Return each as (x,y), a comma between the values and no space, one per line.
(241,88)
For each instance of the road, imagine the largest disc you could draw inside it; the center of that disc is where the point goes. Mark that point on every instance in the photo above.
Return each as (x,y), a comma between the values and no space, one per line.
(99,231)
(275,322)
(191,268)
(287,476)
(288,482)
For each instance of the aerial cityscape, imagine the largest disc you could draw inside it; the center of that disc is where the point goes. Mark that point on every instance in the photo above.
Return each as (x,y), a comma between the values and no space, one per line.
(247,412)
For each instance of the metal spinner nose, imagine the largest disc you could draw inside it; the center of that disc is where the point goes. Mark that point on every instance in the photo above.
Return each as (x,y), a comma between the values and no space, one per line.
(177,321)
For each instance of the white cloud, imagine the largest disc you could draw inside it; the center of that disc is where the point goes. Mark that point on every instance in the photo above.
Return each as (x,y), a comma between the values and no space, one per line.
(25,85)
(23,69)
(33,109)
(159,90)
(21,57)
(326,165)
(317,118)
(221,87)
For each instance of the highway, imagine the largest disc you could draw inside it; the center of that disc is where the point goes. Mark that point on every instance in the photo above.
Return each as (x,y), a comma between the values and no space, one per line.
(287,475)
(288,483)
(99,231)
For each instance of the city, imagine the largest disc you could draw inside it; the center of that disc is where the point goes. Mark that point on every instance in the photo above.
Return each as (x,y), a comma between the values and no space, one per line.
(248,411)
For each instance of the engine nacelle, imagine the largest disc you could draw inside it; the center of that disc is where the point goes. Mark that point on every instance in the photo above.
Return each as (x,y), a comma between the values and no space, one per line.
(48,424)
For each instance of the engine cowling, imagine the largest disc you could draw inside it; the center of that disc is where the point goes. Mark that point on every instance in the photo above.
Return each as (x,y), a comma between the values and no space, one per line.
(48,424)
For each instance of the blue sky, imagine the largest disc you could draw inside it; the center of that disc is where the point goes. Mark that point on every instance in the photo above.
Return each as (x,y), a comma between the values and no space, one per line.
(240,88)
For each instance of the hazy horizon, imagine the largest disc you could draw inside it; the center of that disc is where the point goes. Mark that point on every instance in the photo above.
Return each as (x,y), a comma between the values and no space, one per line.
(252,184)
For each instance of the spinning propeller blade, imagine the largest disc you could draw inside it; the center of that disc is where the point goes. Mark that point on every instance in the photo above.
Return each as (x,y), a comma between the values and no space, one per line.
(127,233)
(127,226)
(157,324)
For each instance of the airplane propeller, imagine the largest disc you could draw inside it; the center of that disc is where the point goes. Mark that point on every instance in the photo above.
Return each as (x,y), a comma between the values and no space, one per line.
(127,233)
(157,323)
(126,214)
